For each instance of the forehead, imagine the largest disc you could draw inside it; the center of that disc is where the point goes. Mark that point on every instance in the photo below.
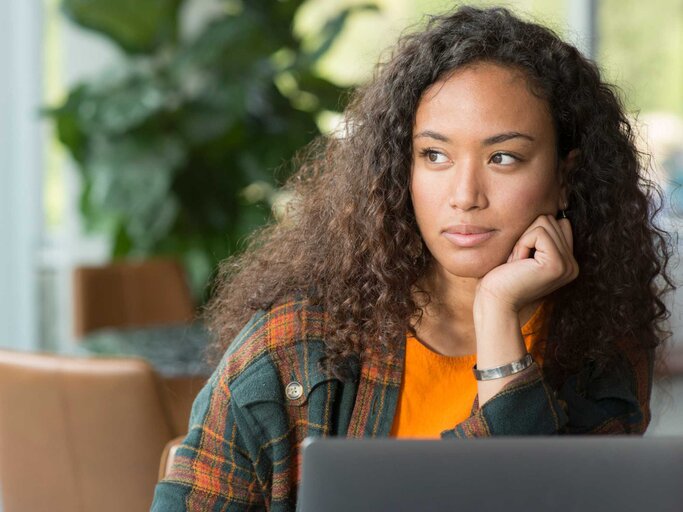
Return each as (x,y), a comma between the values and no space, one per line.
(482,99)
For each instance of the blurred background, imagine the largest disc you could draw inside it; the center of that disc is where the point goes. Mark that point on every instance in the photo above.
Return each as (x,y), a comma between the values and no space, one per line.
(141,141)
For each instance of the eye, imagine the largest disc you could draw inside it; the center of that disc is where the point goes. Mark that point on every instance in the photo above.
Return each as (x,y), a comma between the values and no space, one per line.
(433,156)
(503,159)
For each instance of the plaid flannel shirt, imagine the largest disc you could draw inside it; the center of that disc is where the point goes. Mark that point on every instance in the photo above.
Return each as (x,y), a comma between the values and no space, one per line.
(242,449)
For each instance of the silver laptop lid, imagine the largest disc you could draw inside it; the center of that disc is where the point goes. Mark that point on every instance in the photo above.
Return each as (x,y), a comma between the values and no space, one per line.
(510,474)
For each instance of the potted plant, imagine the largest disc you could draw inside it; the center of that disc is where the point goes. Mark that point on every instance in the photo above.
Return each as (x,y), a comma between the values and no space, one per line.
(182,148)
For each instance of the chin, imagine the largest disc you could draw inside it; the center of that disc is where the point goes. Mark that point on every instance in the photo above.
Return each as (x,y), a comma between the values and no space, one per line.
(471,269)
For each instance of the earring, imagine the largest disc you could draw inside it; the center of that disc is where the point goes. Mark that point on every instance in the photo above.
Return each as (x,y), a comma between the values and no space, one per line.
(563,212)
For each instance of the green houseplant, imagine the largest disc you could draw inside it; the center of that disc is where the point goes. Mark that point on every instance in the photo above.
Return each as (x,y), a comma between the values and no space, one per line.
(179,146)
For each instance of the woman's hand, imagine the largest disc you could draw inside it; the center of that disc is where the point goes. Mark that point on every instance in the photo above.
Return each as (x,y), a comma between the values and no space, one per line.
(506,289)
(527,276)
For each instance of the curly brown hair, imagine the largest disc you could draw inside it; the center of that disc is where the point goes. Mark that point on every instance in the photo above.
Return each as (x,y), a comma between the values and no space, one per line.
(351,243)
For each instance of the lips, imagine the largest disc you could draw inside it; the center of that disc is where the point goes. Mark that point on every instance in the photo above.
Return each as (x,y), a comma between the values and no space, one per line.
(466,229)
(464,235)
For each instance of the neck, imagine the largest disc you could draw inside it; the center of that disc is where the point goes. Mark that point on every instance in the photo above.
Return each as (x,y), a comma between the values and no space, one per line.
(452,297)
(447,323)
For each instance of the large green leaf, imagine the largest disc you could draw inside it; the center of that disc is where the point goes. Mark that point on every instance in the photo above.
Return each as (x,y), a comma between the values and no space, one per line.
(331,31)
(69,129)
(137,26)
(329,95)
(131,178)
(120,104)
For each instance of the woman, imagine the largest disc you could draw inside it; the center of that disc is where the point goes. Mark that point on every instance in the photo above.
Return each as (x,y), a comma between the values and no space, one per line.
(484,206)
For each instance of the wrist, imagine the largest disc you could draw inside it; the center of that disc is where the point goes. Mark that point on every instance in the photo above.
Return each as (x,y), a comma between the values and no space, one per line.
(486,307)
(498,334)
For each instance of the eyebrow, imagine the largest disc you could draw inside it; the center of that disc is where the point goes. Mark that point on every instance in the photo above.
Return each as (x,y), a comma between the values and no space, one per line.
(489,141)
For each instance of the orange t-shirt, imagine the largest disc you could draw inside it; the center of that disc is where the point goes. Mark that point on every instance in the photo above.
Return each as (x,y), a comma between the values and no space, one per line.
(437,391)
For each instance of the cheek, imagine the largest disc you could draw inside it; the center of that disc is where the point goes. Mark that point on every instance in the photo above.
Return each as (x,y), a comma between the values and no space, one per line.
(543,196)
(428,188)
(426,197)
(531,201)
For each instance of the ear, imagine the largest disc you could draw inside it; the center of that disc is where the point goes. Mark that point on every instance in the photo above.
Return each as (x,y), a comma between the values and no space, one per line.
(567,165)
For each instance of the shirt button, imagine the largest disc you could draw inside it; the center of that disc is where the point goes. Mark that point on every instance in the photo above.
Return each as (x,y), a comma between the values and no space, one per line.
(294,390)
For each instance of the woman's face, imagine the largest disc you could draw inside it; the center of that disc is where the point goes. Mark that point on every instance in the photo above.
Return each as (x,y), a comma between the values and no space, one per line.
(484,160)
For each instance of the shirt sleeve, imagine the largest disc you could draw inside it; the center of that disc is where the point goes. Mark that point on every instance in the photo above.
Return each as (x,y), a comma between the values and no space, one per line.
(212,469)
(598,400)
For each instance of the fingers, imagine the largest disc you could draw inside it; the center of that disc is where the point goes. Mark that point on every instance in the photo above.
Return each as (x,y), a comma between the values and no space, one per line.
(544,241)
(552,241)
(546,263)
(563,229)
(568,268)
(544,223)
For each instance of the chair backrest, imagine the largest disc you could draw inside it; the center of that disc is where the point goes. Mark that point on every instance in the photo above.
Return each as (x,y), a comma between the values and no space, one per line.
(168,456)
(131,294)
(79,434)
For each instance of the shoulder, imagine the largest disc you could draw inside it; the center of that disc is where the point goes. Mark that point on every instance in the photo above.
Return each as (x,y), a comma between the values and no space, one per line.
(277,346)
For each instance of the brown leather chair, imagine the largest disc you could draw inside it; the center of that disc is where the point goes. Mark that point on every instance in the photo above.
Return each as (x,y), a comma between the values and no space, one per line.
(168,455)
(79,434)
(131,294)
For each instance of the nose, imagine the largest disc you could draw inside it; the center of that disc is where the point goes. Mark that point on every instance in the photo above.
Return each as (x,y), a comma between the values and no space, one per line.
(467,187)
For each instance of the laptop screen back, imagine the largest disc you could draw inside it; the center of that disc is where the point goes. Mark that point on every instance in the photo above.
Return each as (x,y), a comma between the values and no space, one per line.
(561,474)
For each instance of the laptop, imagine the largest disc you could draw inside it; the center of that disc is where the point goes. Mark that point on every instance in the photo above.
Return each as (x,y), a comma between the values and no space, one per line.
(508,474)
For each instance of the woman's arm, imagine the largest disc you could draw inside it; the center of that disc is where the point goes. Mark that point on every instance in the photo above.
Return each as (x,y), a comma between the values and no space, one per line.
(541,262)
(499,341)
(212,469)
(610,400)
